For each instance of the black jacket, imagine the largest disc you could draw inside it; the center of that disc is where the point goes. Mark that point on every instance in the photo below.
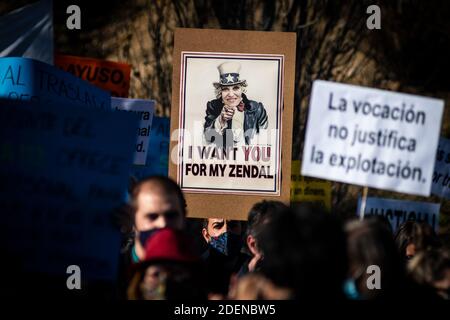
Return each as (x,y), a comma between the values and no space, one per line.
(255,118)
(219,269)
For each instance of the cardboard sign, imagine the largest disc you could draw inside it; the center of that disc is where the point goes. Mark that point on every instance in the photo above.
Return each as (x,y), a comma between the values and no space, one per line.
(441,174)
(63,170)
(304,189)
(23,79)
(372,137)
(28,32)
(243,155)
(399,211)
(145,109)
(108,75)
(158,155)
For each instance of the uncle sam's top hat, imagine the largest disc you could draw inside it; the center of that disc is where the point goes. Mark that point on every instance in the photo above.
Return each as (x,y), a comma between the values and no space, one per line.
(229,74)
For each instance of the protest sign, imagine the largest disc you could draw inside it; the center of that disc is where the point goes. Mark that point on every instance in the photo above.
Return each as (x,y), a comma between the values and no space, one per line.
(233,112)
(28,32)
(108,75)
(63,170)
(399,211)
(372,137)
(145,110)
(305,189)
(441,174)
(23,79)
(157,157)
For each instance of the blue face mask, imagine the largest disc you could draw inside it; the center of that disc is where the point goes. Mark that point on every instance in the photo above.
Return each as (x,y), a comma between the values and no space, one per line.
(144,236)
(228,244)
(350,289)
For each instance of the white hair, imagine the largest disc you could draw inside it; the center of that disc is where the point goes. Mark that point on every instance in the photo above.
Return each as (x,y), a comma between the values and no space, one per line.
(218,90)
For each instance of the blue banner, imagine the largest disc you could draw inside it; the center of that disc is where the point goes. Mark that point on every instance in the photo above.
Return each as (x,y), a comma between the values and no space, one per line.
(63,171)
(399,211)
(23,79)
(441,175)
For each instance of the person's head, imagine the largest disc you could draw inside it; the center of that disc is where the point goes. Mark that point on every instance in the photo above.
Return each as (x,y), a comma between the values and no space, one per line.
(370,243)
(258,217)
(254,286)
(230,87)
(382,220)
(170,269)
(231,95)
(223,235)
(431,268)
(305,250)
(158,202)
(215,227)
(413,236)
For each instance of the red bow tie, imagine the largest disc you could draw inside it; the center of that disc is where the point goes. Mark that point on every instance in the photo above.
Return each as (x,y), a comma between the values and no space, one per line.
(241,106)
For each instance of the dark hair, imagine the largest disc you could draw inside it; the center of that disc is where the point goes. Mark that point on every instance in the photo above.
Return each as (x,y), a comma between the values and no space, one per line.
(370,242)
(420,234)
(205,222)
(429,266)
(383,220)
(305,250)
(262,212)
(167,185)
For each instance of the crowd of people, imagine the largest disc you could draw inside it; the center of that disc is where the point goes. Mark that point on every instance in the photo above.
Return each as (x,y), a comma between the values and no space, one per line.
(281,252)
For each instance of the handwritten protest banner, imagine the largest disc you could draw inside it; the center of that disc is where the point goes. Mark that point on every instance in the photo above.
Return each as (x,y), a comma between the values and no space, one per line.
(23,79)
(441,174)
(145,110)
(399,211)
(305,189)
(372,137)
(157,161)
(108,75)
(63,170)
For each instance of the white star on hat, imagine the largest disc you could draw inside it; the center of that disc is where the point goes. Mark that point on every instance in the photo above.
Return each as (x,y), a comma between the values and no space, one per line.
(229,78)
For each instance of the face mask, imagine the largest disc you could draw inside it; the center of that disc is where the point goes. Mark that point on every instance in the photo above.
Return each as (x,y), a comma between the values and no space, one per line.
(227,243)
(350,289)
(144,236)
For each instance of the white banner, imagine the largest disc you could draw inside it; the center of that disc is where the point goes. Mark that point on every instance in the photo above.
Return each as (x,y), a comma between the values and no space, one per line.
(372,137)
(145,109)
(28,32)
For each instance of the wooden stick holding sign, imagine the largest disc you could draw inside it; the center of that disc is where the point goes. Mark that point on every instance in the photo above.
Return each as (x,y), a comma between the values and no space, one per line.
(362,207)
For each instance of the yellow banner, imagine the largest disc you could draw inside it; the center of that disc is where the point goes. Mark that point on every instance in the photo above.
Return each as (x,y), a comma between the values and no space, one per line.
(306,189)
